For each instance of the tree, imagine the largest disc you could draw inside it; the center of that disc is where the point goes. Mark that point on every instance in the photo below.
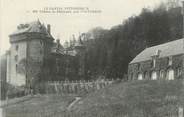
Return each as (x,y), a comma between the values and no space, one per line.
(31,68)
(110,51)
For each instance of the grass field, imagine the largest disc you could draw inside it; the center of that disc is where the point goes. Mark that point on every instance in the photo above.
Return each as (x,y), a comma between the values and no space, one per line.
(39,106)
(125,99)
(134,99)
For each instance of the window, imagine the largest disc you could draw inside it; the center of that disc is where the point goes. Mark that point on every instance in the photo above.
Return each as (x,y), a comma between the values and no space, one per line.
(178,72)
(170,74)
(17,47)
(170,60)
(16,67)
(153,75)
(16,58)
(140,76)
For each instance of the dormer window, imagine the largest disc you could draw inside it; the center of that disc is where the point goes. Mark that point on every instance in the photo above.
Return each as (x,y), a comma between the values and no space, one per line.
(157,53)
(154,57)
(170,61)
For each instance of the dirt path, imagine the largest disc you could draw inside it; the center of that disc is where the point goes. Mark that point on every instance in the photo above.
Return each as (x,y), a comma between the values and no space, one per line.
(73,103)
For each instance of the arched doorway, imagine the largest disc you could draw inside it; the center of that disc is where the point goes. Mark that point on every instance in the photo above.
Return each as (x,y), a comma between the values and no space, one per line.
(170,74)
(154,75)
(140,76)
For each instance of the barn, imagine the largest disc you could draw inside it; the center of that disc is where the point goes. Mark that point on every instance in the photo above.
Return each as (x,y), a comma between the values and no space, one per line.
(164,61)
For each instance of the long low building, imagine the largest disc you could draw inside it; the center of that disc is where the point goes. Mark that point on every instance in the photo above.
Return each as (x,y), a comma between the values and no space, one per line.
(165,61)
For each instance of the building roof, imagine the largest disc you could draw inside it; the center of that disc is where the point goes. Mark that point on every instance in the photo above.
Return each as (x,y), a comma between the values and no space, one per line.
(35,26)
(167,49)
(79,43)
(57,48)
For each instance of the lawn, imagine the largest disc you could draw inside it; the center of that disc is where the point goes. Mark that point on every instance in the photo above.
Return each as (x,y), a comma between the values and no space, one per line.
(39,106)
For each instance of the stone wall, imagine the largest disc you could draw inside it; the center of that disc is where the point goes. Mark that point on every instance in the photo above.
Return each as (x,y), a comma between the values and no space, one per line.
(3,62)
(36,49)
(33,46)
(162,64)
(17,53)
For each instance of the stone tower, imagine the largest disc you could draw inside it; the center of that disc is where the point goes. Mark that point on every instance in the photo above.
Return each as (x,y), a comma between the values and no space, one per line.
(30,44)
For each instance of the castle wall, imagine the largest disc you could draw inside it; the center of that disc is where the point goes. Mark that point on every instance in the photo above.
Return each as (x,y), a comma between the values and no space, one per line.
(145,68)
(17,53)
(36,49)
(8,73)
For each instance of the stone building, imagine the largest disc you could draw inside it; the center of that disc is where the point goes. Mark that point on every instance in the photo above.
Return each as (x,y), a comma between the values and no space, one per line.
(31,46)
(165,61)
(30,43)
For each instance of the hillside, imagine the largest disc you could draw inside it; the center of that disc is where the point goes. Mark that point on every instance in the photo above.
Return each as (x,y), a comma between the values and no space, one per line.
(124,99)
(37,106)
(134,99)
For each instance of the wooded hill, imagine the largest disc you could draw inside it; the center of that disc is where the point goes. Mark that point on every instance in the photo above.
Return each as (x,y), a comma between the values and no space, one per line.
(110,51)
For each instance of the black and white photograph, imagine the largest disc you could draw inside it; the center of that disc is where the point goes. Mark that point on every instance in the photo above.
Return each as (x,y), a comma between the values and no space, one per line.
(91,58)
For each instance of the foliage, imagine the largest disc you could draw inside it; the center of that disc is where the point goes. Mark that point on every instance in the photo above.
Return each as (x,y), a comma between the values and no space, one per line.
(31,69)
(108,52)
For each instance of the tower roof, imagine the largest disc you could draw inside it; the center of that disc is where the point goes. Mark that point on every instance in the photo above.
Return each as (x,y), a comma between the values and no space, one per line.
(34,26)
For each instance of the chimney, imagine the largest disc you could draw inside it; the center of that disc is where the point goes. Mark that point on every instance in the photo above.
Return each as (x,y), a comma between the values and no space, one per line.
(48,28)
(58,41)
(157,53)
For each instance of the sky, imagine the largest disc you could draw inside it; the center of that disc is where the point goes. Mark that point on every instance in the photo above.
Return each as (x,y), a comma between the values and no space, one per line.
(108,13)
